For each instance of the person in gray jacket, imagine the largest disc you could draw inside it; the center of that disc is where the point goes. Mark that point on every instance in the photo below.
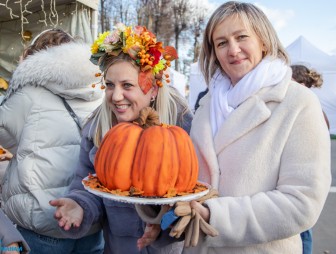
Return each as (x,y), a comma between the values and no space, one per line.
(11,241)
(125,95)
(37,128)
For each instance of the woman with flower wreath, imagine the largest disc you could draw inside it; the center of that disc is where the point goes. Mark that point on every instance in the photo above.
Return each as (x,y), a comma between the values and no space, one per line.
(133,63)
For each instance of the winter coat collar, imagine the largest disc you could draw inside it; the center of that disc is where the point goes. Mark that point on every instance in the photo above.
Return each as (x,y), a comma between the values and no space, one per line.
(65,70)
(247,116)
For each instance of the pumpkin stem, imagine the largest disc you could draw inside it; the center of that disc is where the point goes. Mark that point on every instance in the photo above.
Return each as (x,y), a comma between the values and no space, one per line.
(148,117)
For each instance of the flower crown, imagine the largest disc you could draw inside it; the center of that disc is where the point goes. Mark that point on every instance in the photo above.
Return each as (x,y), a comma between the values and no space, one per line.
(141,45)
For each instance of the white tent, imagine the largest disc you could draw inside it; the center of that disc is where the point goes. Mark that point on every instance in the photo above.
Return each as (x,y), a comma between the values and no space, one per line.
(301,51)
(178,80)
(29,18)
(196,84)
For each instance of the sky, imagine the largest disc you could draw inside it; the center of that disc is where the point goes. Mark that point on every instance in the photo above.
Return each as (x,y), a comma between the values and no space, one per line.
(313,19)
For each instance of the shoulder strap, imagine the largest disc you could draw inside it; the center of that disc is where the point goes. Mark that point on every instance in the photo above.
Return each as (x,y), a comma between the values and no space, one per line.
(72,113)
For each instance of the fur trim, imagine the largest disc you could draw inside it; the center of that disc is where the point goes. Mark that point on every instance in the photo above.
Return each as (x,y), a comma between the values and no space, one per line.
(67,65)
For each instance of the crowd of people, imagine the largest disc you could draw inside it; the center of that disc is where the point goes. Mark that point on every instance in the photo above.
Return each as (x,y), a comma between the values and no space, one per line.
(269,192)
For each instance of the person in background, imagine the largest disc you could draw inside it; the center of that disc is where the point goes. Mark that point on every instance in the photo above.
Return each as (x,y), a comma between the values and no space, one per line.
(309,78)
(53,80)
(127,92)
(199,97)
(11,241)
(5,157)
(261,141)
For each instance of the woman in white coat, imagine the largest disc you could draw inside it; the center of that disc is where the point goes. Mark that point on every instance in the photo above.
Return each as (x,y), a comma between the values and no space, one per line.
(261,141)
(37,128)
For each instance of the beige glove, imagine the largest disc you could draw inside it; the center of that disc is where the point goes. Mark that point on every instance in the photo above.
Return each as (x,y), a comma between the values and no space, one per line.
(191,222)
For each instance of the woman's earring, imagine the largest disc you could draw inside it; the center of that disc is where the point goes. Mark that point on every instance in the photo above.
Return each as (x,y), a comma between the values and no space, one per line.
(152,99)
(264,53)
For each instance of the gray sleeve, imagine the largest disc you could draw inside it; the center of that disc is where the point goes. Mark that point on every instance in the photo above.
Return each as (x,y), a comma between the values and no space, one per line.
(9,234)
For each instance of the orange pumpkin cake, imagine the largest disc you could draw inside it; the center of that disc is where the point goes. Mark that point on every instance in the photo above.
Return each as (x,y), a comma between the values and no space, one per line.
(153,159)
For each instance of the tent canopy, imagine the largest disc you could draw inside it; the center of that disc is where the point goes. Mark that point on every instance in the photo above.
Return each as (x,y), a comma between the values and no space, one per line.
(77,17)
(301,51)
(13,7)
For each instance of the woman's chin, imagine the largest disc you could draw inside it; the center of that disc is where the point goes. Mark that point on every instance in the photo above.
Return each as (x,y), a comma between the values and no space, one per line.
(123,119)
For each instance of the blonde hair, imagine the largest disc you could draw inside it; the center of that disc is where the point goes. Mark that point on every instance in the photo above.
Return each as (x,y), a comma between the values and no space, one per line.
(168,103)
(308,77)
(253,18)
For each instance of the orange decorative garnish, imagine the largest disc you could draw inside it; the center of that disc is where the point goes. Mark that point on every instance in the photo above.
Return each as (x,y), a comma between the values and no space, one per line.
(171,193)
(94,183)
(135,192)
(120,193)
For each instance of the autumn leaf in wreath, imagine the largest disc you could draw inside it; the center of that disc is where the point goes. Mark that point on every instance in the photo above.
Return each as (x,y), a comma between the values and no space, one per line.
(170,51)
(145,81)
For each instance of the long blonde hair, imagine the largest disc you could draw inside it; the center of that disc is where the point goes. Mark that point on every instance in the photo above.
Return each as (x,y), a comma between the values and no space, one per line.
(168,103)
(254,19)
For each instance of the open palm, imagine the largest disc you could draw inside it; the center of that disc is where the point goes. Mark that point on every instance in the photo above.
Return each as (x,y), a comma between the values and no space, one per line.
(68,213)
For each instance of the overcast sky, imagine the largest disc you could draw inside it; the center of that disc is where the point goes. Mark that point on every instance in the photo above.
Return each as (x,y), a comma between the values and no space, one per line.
(313,19)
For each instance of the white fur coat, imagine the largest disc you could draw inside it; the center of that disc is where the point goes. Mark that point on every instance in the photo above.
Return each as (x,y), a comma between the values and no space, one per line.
(64,69)
(270,162)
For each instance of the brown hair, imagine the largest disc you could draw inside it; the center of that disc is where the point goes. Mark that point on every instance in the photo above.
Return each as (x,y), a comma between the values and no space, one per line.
(48,38)
(308,77)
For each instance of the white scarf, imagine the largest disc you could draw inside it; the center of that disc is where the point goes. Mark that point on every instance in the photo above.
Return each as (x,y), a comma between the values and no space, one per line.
(225,98)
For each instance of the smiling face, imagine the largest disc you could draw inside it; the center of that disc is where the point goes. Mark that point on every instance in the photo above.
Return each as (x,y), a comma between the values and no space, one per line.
(123,93)
(237,48)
